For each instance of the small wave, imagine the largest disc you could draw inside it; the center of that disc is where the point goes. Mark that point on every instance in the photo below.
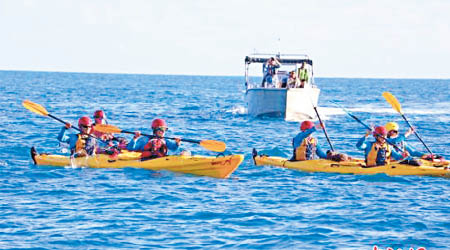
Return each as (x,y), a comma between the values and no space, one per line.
(73,166)
(238,110)
(324,111)
(3,164)
(443,119)
(406,111)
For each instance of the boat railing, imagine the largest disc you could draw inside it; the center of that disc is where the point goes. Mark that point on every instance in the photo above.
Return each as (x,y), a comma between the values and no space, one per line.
(255,85)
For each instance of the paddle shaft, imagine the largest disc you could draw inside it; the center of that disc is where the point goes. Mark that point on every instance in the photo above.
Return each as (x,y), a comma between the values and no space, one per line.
(369,128)
(171,138)
(216,146)
(56,118)
(323,127)
(420,139)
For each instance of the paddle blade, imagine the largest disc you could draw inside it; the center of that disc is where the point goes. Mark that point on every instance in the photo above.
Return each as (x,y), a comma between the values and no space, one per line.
(393,101)
(35,108)
(216,146)
(107,128)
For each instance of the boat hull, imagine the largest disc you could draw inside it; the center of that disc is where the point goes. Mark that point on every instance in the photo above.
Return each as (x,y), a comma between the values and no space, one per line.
(218,167)
(292,104)
(356,166)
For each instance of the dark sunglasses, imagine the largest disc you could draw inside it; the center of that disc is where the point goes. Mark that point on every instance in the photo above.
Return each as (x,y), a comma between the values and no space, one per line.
(84,126)
(161,128)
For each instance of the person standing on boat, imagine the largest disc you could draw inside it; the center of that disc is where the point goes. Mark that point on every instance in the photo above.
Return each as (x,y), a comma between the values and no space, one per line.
(156,146)
(305,145)
(378,152)
(399,140)
(303,75)
(270,72)
(80,144)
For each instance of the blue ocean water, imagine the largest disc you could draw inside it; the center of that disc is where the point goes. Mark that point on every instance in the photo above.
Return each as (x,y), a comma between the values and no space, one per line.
(257,208)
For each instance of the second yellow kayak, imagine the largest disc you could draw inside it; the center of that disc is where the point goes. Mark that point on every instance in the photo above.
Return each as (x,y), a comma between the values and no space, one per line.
(356,166)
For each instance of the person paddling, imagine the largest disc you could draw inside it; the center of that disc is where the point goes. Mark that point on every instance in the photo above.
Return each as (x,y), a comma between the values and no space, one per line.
(108,144)
(109,140)
(378,152)
(100,118)
(156,146)
(399,140)
(305,145)
(80,144)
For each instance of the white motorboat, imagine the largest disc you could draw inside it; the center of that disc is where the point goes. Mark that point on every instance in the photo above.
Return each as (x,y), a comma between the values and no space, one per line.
(272,95)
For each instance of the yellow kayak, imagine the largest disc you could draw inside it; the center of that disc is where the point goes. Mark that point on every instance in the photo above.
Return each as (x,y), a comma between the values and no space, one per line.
(356,166)
(218,167)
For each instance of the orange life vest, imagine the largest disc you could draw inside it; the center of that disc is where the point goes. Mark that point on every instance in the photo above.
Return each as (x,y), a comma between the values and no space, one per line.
(306,150)
(378,155)
(81,143)
(84,145)
(154,148)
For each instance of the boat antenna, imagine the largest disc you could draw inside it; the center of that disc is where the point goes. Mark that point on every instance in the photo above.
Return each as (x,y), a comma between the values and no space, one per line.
(279,41)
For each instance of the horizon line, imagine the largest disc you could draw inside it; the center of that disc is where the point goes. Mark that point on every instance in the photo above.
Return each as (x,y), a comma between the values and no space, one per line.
(184,74)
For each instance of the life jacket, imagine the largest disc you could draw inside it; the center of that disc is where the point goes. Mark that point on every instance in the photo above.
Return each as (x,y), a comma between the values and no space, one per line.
(378,155)
(306,150)
(303,74)
(84,145)
(154,148)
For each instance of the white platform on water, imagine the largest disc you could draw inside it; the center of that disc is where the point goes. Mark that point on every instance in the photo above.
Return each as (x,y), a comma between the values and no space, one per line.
(292,104)
(276,98)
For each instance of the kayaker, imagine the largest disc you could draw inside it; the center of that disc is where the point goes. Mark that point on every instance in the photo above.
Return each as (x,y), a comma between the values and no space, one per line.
(108,144)
(378,152)
(393,136)
(80,144)
(154,147)
(305,145)
(399,140)
(100,118)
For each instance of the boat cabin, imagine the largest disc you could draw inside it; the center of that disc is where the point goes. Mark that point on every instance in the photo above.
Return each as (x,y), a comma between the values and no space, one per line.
(276,69)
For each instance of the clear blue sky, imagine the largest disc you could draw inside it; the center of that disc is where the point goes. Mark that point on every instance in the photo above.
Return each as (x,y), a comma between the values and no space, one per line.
(380,38)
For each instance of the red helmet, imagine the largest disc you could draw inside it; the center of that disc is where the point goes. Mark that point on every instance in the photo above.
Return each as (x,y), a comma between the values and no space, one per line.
(99,114)
(380,130)
(84,121)
(306,125)
(158,123)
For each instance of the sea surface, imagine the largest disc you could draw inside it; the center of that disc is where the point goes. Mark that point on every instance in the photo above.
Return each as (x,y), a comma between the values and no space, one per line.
(43,207)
